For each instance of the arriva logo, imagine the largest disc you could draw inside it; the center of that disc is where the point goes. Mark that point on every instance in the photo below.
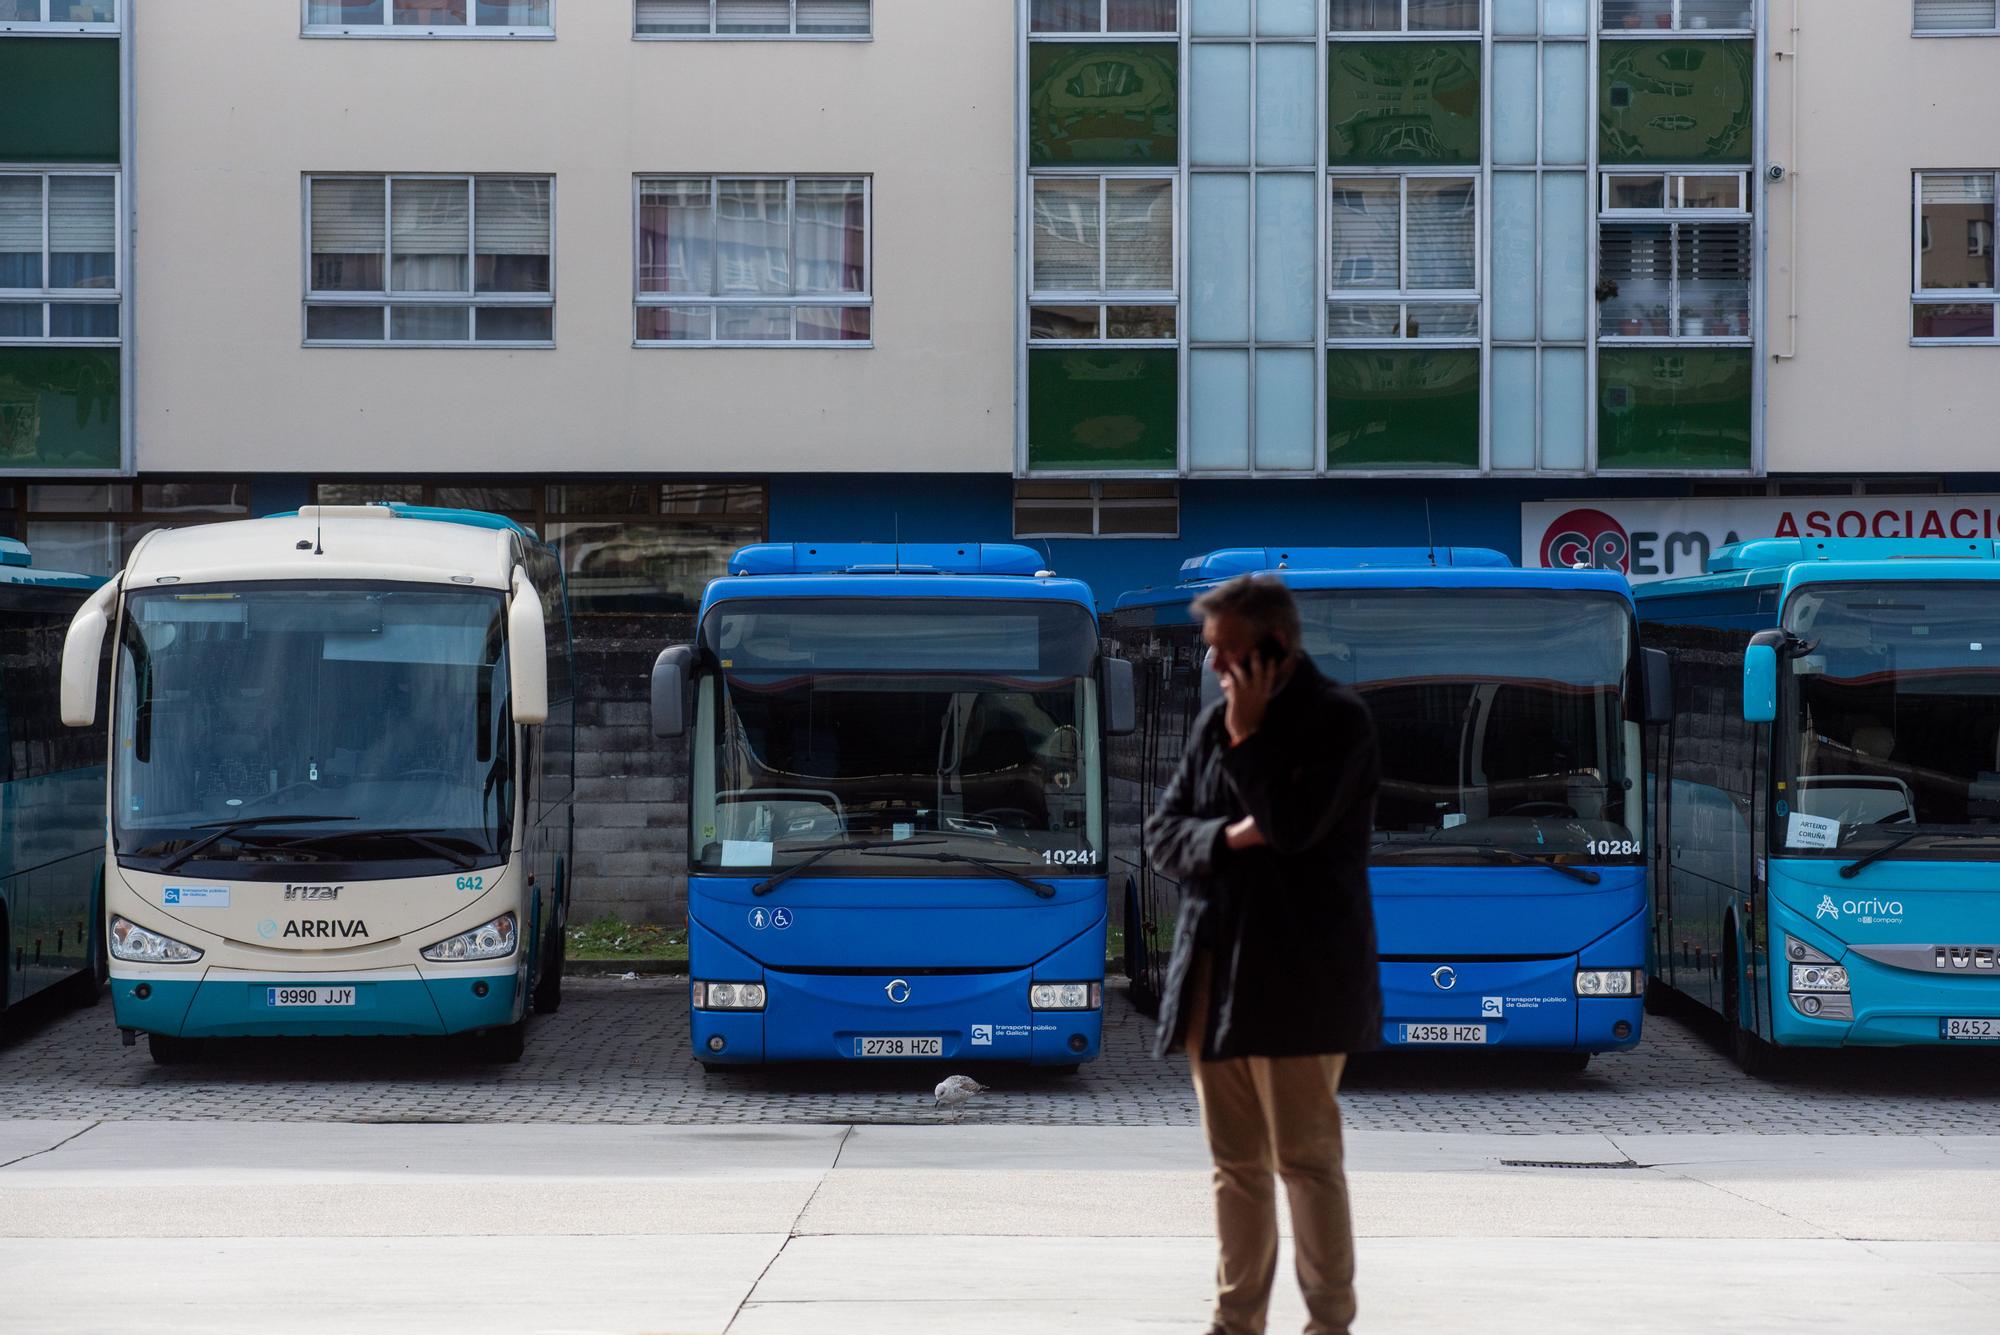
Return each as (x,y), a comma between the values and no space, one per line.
(1866,910)
(1827,909)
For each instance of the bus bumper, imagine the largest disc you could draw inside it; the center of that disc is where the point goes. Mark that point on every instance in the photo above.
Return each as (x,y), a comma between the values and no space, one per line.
(1527,1004)
(230,1003)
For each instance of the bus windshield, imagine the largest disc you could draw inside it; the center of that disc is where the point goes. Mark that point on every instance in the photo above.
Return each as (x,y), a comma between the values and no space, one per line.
(862,734)
(377,715)
(1503,715)
(1895,702)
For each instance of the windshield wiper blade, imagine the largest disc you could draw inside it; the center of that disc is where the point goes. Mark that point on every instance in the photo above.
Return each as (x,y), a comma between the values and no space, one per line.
(770,883)
(222,829)
(992,868)
(424,839)
(1874,855)
(1496,853)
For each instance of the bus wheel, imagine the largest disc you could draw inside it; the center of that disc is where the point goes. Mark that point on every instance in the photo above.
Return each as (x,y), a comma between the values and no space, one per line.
(555,954)
(1658,999)
(1753,1056)
(1568,1063)
(86,987)
(505,1045)
(170,1051)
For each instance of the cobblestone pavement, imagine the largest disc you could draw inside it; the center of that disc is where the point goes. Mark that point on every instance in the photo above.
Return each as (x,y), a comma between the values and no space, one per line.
(618,1052)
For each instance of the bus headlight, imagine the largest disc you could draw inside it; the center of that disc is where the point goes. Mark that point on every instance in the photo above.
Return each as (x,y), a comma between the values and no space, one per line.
(728,996)
(1819,978)
(1607,982)
(489,941)
(1065,996)
(129,941)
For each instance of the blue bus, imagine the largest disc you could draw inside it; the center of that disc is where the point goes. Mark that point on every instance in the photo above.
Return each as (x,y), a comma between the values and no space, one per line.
(51,797)
(1508,868)
(897,831)
(1829,793)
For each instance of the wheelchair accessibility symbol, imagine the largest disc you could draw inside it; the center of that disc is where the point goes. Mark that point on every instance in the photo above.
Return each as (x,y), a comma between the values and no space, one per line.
(781,918)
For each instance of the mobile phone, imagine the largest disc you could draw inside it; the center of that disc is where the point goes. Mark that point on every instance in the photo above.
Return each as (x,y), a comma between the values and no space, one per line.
(1269,650)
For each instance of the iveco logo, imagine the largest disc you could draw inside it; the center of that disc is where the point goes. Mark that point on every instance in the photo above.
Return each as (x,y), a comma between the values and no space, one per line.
(1445,977)
(1984,958)
(898,990)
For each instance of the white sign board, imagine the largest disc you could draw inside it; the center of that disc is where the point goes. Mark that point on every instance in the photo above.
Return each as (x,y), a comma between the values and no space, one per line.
(1662,538)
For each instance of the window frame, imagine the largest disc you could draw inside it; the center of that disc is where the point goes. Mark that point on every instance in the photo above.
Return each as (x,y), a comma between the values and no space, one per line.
(1675,29)
(1405,31)
(1920,295)
(1103,28)
(866,298)
(714,36)
(1674,184)
(389,28)
(1915,31)
(48,27)
(1402,295)
(47,295)
(1095,504)
(389,300)
(1101,296)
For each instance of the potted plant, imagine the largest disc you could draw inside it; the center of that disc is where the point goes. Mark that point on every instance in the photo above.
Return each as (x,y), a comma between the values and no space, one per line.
(1658,319)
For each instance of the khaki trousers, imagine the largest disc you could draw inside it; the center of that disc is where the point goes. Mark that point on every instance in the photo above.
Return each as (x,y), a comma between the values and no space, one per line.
(1282,1115)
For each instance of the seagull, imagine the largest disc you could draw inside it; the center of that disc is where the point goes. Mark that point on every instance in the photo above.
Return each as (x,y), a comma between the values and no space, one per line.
(955,1091)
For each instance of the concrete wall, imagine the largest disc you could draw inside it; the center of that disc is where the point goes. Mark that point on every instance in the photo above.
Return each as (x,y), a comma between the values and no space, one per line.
(1874,105)
(235,107)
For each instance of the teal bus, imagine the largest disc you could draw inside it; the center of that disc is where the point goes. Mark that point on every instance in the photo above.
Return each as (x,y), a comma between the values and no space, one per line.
(51,797)
(1828,794)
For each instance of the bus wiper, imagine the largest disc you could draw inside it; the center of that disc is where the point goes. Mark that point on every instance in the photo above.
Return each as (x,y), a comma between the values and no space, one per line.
(222,829)
(423,839)
(991,868)
(1873,855)
(1584,874)
(770,883)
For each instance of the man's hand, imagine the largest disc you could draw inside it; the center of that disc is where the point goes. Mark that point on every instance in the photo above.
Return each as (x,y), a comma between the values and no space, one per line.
(1244,834)
(1248,684)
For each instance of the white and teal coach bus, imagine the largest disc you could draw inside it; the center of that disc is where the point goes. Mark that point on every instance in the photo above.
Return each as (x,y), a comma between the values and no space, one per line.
(340,790)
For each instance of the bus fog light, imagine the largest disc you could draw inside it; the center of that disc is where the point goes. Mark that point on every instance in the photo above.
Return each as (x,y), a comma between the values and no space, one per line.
(1810,1005)
(1798,952)
(1819,978)
(1065,996)
(129,941)
(489,941)
(729,996)
(1607,983)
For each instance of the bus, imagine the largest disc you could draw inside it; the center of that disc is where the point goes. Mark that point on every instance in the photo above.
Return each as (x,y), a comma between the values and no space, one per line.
(341,758)
(51,797)
(1508,868)
(897,831)
(1829,793)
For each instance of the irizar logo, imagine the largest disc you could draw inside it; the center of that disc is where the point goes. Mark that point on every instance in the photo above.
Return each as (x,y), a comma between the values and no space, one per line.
(294,893)
(321,929)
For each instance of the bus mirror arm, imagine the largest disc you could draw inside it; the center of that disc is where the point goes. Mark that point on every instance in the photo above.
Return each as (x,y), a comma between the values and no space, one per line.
(1659,685)
(527,652)
(672,671)
(82,648)
(1121,700)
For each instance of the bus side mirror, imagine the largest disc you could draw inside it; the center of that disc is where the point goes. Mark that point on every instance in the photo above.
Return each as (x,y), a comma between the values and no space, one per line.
(527,652)
(672,671)
(1659,670)
(1121,698)
(82,648)
(1760,683)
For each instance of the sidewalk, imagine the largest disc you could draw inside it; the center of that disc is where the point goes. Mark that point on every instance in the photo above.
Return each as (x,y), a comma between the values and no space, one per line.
(826,1229)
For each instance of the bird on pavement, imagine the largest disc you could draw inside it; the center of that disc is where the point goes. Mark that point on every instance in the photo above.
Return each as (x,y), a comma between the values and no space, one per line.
(955,1091)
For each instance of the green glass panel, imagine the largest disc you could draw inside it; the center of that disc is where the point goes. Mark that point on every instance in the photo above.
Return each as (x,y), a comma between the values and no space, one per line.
(1402,408)
(1103,104)
(1673,408)
(1676,102)
(1403,102)
(59,408)
(58,99)
(1093,408)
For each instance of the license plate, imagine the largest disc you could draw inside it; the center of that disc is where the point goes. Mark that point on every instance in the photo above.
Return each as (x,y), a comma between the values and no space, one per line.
(309,996)
(1978,1030)
(899,1047)
(1441,1033)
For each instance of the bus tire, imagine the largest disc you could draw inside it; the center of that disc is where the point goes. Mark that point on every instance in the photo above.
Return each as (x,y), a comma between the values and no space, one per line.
(1066,1068)
(1658,999)
(1753,1056)
(168,1050)
(1567,1063)
(86,987)
(504,1046)
(6,978)
(555,955)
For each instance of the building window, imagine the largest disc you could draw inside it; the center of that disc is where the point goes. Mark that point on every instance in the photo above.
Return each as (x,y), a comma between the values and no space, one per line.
(1097,510)
(429,18)
(1405,262)
(1145,18)
(1953,301)
(59,16)
(790,20)
(1674,253)
(449,260)
(91,527)
(1364,16)
(1104,260)
(59,257)
(1681,15)
(754,261)
(1956,18)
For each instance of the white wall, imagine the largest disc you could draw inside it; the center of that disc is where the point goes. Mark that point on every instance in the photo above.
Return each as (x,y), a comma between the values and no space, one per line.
(1875,104)
(233,106)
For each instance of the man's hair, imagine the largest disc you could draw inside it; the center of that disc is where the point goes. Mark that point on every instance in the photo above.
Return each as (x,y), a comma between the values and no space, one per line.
(1261,600)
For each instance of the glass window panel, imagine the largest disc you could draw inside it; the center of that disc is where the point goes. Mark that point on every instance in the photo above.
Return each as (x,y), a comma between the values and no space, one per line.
(20,11)
(429,13)
(1565,409)
(1103,408)
(673,17)
(514,234)
(1365,221)
(1673,408)
(753,324)
(1071,322)
(347,13)
(346,324)
(829,18)
(515,324)
(1052,521)
(1441,320)
(1150,491)
(1697,15)
(1514,255)
(1220,18)
(623,567)
(1514,16)
(1103,103)
(1139,15)
(511,13)
(20,231)
(1057,491)
(676,237)
(1413,103)
(834,324)
(1365,320)
(1566,216)
(20,319)
(1638,14)
(602,499)
(1565,17)
(1710,192)
(1676,102)
(1066,235)
(430,324)
(348,232)
(1219,110)
(1140,322)
(195,497)
(1139,521)
(59,407)
(1287,235)
(1444,15)
(1952,205)
(1366,15)
(79,319)
(1066,16)
(1138,236)
(1634,286)
(753,17)
(1219,258)
(429,232)
(753,237)
(676,324)
(1394,408)
(1515,105)
(1566,119)
(1442,233)
(830,237)
(1712,262)
(1636,192)
(1513,426)
(1287,18)
(83,11)
(1955,320)
(744,498)
(84,547)
(1287,105)
(80,497)
(1285,403)
(1218,409)
(83,232)
(1954,15)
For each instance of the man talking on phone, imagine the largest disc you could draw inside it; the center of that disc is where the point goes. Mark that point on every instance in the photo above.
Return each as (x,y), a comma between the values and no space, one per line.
(1273,979)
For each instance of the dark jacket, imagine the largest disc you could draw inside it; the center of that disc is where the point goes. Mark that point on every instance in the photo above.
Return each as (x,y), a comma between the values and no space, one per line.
(1289,927)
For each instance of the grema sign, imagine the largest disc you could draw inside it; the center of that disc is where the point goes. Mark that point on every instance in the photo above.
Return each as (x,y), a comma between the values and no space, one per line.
(1663,538)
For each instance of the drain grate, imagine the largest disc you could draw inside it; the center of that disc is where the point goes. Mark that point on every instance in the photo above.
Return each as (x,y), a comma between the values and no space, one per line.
(1566,1163)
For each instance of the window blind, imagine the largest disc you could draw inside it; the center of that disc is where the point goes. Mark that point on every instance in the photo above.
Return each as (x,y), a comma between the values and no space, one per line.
(753,16)
(83,216)
(347,217)
(1955,15)
(1712,262)
(429,217)
(1066,229)
(1958,189)
(513,216)
(1441,235)
(673,16)
(1138,236)
(21,214)
(833,16)
(1366,224)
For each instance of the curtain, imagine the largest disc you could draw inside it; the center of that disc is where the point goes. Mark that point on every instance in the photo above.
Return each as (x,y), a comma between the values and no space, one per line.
(1441,234)
(830,237)
(429,230)
(676,237)
(1066,235)
(1366,222)
(753,238)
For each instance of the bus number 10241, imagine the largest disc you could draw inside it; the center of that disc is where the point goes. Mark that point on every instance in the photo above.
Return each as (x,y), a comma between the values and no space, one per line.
(1070,857)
